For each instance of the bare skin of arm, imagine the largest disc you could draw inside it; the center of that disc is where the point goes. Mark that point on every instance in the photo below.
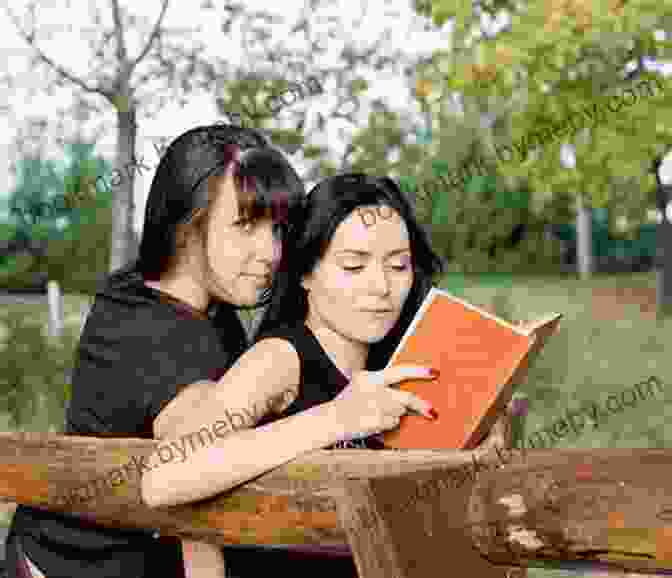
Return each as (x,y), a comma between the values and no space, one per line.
(201,560)
(259,379)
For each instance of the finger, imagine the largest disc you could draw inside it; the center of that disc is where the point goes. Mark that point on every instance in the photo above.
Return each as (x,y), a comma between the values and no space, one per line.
(415,403)
(398,373)
(389,422)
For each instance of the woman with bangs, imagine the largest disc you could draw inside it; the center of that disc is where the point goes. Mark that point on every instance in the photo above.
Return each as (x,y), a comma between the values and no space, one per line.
(217,212)
(357,270)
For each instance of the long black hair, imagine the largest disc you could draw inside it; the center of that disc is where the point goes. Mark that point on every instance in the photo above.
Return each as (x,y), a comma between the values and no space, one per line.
(182,192)
(326,206)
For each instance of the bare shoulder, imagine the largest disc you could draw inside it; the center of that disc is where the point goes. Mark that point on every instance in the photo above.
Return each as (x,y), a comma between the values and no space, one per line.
(266,375)
(274,365)
(270,351)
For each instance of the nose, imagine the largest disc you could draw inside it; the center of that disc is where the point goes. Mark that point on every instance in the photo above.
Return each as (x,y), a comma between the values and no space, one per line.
(378,282)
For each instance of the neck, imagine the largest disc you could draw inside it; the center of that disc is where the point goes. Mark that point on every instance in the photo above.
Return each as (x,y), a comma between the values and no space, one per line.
(348,355)
(184,288)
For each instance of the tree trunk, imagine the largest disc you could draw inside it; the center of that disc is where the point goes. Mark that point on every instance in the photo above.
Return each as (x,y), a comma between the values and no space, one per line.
(664,253)
(604,509)
(584,239)
(123,178)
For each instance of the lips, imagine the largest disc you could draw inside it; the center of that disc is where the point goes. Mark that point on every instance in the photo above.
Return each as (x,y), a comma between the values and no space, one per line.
(260,278)
(380,313)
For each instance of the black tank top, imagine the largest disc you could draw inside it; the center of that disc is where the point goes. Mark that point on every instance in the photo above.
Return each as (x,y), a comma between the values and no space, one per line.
(320,381)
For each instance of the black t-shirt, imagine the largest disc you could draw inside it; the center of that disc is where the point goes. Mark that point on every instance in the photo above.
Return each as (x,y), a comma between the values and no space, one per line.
(320,382)
(139,347)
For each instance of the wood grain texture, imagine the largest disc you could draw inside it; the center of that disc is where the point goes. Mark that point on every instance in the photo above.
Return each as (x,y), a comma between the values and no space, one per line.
(610,509)
(399,526)
(294,504)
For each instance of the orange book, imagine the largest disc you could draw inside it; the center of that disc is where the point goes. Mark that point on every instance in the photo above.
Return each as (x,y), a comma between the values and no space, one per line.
(480,358)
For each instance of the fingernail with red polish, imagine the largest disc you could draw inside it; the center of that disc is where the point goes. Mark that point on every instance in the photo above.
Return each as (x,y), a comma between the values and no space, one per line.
(433,413)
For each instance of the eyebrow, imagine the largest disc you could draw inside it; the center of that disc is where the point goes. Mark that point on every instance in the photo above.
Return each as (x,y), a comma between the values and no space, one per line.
(367,254)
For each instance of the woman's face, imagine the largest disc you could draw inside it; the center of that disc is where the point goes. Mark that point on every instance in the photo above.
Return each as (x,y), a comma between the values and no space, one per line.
(242,255)
(359,287)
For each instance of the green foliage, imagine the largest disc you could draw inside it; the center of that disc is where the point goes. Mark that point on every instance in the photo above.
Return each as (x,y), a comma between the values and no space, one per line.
(80,173)
(554,61)
(19,271)
(472,228)
(475,229)
(253,101)
(33,369)
(77,252)
(30,203)
(79,260)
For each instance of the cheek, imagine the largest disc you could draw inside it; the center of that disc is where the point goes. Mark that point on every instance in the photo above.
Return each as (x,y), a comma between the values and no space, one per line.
(345,286)
(336,291)
(224,254)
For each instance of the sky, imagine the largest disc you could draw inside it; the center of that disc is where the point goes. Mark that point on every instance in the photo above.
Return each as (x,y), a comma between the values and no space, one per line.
(65,27)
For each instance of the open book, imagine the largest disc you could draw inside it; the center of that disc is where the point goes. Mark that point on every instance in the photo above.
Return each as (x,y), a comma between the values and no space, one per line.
(480,357)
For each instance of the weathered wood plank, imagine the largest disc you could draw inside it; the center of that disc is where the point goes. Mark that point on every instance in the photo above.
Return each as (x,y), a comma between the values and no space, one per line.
(396,531)
(611,506)
(368,535)
(608,509)
(294,504)
(429,538)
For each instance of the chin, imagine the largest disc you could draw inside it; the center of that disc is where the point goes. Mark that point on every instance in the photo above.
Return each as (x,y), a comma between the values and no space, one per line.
(372,336)
(242,298)
(252,299)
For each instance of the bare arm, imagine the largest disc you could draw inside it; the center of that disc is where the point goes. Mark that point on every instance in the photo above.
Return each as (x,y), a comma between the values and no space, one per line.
(265,377)
(201,560)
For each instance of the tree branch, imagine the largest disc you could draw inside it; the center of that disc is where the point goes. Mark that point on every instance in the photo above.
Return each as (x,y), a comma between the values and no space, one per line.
(118,32)
(30,40)
(152,36)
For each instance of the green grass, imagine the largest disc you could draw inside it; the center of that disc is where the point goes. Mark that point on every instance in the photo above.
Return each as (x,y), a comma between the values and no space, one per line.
(591,358)
(39,313)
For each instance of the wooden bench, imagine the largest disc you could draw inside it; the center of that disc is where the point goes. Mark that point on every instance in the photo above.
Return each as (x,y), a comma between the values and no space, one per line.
(403,514)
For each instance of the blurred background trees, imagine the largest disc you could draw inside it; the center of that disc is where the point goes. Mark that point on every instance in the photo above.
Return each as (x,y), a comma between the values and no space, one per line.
(50,236)
(548,60)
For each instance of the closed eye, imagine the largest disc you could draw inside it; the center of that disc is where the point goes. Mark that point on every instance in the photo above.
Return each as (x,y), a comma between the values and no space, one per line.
(398,268)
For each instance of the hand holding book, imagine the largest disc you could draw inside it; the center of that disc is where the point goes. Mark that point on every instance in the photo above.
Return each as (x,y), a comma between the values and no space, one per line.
(368,405)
